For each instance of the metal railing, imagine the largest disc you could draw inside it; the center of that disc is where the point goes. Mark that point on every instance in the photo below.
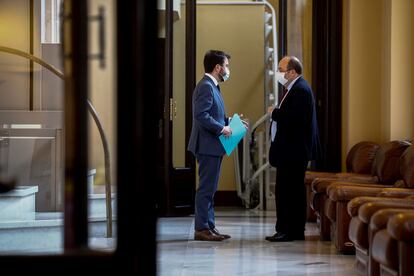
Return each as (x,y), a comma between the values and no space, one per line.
(95,116)
(253,172)
(251,176)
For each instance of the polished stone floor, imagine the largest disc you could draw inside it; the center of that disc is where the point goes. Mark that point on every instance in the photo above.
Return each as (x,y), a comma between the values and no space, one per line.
(246,253)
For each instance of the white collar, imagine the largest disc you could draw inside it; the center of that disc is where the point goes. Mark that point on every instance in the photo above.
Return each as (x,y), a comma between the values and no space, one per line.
(212,78)
(292,83)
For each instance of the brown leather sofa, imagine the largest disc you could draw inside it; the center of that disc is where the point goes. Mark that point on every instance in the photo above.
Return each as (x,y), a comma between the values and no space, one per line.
(339,194)
(369,215)
(385,171)
(359,161)
(393,247)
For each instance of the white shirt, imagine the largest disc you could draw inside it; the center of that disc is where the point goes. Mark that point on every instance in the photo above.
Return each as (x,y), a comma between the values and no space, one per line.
(292,83)
(212,78)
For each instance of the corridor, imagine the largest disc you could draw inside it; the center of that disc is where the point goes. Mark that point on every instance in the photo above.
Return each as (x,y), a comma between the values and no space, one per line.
(246,253)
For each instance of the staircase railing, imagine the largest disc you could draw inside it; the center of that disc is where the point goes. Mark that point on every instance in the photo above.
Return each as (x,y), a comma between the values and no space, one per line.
(95,116)
(251,171)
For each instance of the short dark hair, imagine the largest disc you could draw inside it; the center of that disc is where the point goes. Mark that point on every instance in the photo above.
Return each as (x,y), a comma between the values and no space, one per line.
(295,64)
(212,58)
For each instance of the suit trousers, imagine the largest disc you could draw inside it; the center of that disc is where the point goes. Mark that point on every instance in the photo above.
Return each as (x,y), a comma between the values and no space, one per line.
(291,197)
(209,174)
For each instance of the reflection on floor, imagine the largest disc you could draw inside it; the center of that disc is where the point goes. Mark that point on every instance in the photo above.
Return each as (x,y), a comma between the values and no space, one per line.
(246,253)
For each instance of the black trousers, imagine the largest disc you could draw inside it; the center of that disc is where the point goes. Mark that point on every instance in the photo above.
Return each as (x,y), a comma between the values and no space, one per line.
(291,197)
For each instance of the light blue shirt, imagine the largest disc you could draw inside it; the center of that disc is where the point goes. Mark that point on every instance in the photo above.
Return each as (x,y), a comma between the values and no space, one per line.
(292,83)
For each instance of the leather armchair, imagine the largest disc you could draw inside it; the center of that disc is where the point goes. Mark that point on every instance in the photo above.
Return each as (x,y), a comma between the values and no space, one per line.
(339,194)
(371,217)
(384,172)
(393,247)
(359,161)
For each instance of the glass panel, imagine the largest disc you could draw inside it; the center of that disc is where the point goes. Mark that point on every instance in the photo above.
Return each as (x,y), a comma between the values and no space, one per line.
(31,127)
(102,96)
(31,131)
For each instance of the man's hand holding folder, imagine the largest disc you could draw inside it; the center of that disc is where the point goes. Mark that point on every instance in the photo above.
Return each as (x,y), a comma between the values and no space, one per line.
(238,130)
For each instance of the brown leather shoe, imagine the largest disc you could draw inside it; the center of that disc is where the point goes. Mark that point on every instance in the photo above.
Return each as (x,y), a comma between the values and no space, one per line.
(216,232)
(206,235)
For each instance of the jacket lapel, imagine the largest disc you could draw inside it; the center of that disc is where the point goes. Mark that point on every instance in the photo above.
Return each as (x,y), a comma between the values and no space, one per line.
(292,90)
(217,94)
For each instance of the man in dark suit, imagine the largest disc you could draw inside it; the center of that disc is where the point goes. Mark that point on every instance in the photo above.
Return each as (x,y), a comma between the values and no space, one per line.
(295,142)
(209,122)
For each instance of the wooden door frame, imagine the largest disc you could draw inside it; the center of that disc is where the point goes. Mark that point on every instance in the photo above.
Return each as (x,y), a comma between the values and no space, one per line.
(179,183)
(327,79)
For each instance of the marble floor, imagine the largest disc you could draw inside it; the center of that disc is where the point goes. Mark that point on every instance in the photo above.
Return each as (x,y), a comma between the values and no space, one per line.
(246,253)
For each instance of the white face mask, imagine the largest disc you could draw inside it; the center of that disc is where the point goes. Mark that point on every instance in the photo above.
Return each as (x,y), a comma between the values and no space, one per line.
(281,78)
(226,75)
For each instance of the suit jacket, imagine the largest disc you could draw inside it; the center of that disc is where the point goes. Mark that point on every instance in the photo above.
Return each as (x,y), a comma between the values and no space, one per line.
(297,137)
(209,118)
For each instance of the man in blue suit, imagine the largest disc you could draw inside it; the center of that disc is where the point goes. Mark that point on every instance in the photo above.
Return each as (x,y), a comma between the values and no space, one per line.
(209,122)
(295,142)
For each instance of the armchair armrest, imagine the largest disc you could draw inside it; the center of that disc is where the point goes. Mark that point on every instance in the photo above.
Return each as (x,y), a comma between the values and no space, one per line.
(312,175)
(367,210)
(380,218)
(348,192)
(384,248)
(396,192)
(401,226)
(363,178)
(355,203)
(320,185)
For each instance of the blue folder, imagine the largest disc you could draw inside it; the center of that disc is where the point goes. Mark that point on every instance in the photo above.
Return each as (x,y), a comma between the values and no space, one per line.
(237,132)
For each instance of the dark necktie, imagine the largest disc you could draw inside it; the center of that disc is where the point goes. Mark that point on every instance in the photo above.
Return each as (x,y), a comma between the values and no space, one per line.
(283,93)
(218,87)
